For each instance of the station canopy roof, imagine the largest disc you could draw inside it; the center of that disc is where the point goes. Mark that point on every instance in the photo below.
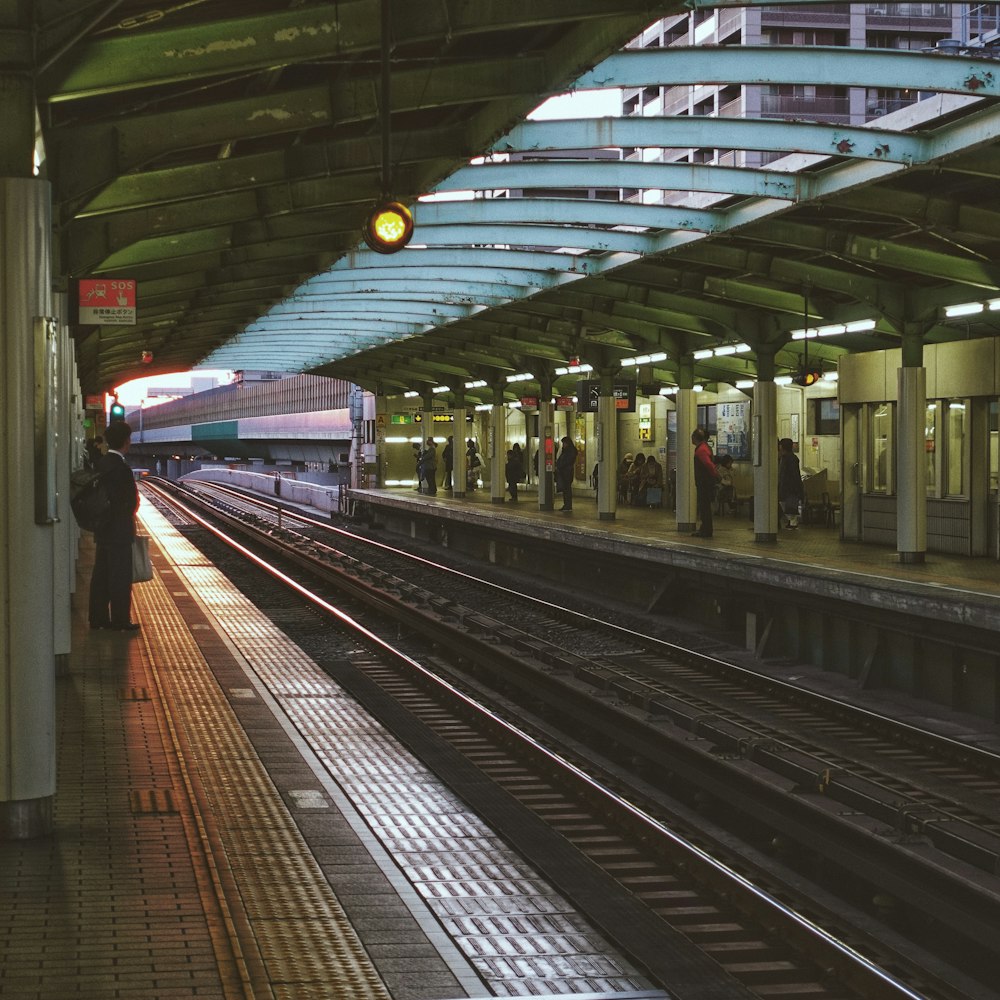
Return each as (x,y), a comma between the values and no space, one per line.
(225,156)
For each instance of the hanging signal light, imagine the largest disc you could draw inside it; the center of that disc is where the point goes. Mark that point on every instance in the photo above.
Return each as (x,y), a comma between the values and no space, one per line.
(389,227)
(807,377)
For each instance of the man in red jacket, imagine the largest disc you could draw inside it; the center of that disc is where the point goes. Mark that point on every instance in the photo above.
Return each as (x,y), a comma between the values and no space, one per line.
(705,477)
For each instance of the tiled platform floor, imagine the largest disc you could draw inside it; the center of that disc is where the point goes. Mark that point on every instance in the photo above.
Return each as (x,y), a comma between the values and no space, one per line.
(136,894)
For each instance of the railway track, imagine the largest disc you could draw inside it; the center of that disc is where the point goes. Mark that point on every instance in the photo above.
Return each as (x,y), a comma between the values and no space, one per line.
(762,750)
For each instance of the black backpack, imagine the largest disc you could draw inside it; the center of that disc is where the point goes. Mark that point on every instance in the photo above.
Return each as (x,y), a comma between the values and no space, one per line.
(89,500)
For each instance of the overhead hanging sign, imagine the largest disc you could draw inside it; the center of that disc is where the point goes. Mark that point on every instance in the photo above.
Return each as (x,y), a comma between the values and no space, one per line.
(589,392)
(106,301)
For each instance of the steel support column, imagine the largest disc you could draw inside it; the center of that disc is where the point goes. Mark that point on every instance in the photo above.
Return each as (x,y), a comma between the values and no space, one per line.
(911,460)
(687,420)
(607,450)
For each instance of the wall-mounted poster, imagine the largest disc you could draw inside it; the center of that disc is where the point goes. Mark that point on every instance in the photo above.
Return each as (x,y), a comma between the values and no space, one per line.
(733,430)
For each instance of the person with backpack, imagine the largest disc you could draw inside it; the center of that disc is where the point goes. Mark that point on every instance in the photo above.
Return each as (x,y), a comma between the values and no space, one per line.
(110,604)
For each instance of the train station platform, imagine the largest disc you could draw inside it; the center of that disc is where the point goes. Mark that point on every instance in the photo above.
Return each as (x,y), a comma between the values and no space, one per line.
(814,549)
(228,824)
(866,621)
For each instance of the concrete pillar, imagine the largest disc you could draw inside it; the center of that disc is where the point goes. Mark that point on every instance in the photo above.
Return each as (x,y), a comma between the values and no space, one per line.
(979,475)
(764,447)
(458,462)
(496,445)
(607,451)
(546,447)
(911,468)
(381,427)
(68,457)
(687,420)
(27,489)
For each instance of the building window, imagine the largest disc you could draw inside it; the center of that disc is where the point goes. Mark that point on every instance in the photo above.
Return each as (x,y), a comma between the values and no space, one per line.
(826,416)
(931,448)
(706,417)
(994,457)
(956,416)
(880,445)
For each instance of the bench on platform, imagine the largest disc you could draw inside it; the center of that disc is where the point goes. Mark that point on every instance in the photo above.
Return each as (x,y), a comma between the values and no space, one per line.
(742,495)
(817,490)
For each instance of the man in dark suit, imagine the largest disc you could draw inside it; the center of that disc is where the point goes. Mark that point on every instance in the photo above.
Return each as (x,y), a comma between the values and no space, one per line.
(111,581)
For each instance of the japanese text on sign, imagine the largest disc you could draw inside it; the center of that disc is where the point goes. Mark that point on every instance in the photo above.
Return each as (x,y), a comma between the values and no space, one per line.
(107,301)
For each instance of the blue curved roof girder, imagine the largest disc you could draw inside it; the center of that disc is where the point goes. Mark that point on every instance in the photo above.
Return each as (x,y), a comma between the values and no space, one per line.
(504,258)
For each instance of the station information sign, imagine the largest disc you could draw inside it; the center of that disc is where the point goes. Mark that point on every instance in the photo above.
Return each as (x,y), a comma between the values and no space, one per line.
(590,391)
(107,301)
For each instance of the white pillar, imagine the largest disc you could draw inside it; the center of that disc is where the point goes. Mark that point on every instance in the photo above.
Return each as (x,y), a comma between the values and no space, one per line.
(27,649)
(607,457)
(546,451)
(911,469)
(687,420)
(496,445)
(68,457)
(764,445)
(381,427)
(459,465)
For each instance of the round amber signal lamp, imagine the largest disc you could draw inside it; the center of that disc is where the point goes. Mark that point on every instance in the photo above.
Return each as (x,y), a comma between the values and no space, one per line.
(389,227)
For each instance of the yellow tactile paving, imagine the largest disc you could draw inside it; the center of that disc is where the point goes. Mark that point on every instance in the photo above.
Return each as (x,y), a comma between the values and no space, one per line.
(299,930)
(426,828)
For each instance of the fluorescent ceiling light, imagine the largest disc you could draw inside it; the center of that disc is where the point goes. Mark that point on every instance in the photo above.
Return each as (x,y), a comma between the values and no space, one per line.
(963,309)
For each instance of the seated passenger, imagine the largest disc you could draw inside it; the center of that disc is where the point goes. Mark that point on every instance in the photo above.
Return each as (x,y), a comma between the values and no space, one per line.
(652,480)
(725,489)
(636,473)
(623,469)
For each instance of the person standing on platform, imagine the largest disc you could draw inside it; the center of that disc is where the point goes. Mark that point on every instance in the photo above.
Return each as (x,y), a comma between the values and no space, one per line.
(705,477)
(96,449)
(429,466)
(520,456)
(791,492)
(472,464)
(448,457)
(513,472)
(565,472)
(418,462)
(110,604)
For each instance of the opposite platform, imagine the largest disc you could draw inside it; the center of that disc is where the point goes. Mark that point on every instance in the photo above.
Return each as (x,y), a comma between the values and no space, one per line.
(808,559)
